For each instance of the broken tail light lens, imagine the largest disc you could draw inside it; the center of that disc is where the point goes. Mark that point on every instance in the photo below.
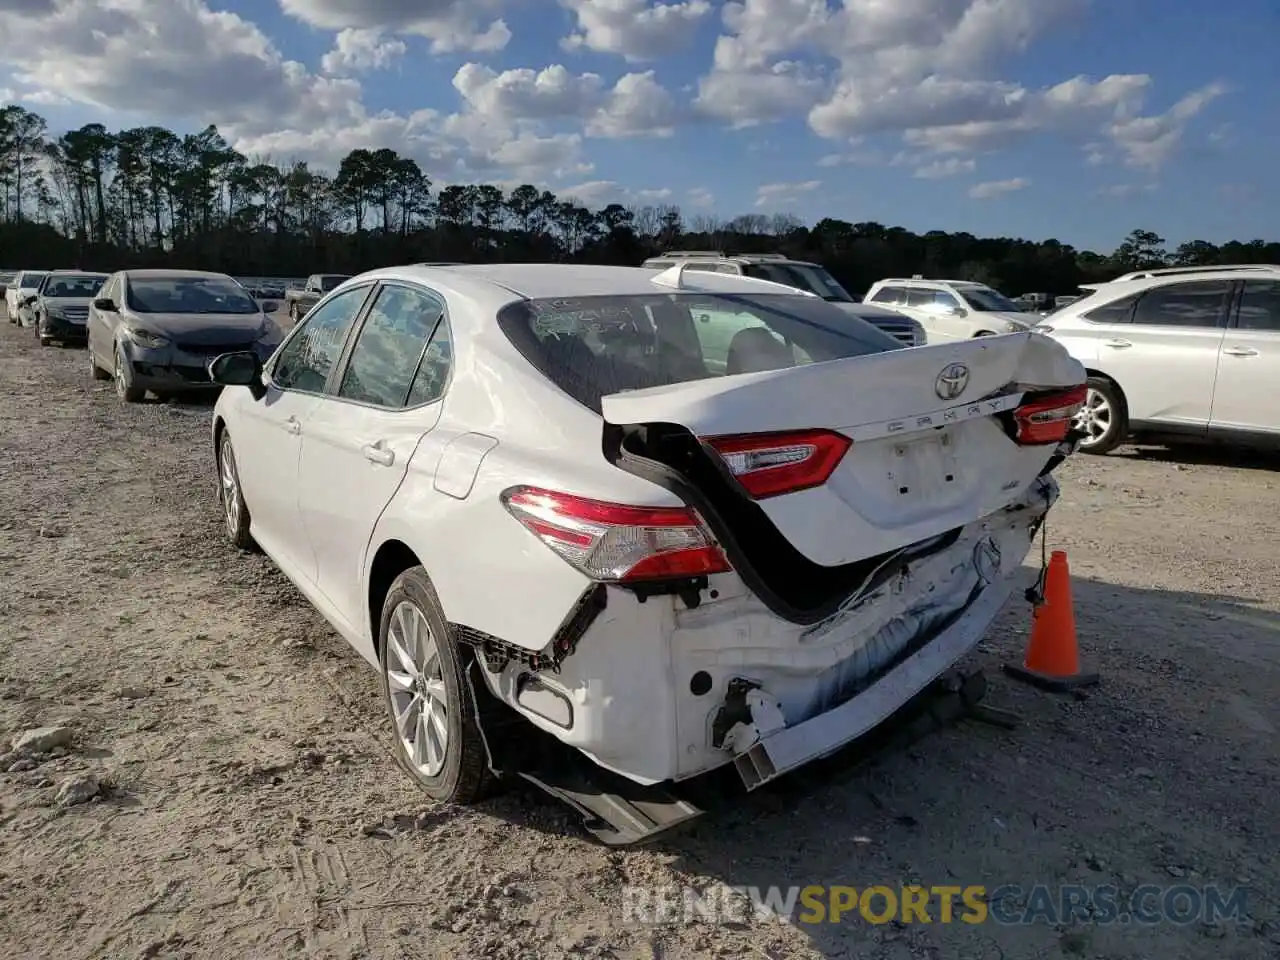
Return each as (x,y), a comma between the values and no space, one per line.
(614,542)
(771,464)
(1047,419)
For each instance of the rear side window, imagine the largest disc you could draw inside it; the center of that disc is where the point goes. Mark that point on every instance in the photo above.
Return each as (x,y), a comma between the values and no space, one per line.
(889,295)
(591,347)
(1183,304)
(1117,311)
(1260,306)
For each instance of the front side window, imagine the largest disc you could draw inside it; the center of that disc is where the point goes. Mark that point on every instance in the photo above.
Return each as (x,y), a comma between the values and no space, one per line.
(591,347)
(1196,304)
(188,295)
(80,287)
(1260,306)
(306,361)
(804,276)
(390,345)
(986,300)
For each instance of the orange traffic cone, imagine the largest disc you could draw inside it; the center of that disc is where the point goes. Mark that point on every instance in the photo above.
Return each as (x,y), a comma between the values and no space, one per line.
(1052,660)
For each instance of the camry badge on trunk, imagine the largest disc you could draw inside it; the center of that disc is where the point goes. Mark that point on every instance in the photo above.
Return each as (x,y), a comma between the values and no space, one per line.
(951,381)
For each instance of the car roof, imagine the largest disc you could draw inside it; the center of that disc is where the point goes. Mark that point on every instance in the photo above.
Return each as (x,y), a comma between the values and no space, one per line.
(1123,287)
(77,273)
(162,274)
(497,284)
(936,281)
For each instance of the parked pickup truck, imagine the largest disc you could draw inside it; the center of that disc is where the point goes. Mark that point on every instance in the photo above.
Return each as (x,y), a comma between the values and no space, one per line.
(317,285)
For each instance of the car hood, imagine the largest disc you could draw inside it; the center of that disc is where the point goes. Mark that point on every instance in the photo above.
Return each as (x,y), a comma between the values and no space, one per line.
(211,329)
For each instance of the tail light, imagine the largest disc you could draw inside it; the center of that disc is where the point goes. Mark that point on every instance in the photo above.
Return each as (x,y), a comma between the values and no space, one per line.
(1047,419)
(771,464)
(615,542)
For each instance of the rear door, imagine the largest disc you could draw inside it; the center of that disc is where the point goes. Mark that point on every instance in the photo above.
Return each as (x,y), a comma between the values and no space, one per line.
(1164,352)
(1246,397)
(927,453)
(357,444)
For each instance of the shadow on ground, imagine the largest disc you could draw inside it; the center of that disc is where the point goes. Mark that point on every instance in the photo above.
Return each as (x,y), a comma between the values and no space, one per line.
(1136,783)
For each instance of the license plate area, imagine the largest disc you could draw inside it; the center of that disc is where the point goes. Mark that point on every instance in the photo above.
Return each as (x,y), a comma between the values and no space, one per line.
(921,468)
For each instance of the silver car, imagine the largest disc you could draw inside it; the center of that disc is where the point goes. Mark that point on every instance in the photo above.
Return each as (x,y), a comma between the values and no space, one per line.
(157,330)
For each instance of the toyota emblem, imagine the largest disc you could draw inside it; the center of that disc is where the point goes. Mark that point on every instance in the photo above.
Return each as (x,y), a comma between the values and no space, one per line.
(951,381)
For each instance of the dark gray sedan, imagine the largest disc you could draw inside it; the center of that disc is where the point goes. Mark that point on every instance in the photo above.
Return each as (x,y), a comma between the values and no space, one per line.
(157,330)
(60,305)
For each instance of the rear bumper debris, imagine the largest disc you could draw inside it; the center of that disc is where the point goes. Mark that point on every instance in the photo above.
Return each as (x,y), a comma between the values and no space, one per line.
(764,751)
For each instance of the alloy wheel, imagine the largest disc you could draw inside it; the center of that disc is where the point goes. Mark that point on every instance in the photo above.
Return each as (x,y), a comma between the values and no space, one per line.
(415,681)
(229,487)
(1096,418)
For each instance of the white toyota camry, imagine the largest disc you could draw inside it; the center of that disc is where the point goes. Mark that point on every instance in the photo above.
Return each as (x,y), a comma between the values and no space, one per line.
(671,521)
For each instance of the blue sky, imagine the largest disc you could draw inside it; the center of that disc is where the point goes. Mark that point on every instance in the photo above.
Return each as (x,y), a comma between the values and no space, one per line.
(1071,119)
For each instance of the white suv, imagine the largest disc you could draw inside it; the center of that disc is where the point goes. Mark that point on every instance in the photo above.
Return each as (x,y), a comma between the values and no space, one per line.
(1178,354)
(801,274)
(951,309)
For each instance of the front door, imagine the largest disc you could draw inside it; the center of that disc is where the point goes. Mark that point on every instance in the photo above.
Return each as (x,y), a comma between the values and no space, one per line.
(357,446)
(1247,397)
(268,434)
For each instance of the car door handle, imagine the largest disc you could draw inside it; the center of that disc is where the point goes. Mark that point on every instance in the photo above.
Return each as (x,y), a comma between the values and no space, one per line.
(1118,344)
(1240,352)
(292,426)
(375,453)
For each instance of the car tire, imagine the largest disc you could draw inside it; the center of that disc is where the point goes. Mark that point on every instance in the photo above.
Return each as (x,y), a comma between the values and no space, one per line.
(421,664)
(293,313)
(95,371)
(235,512)
(1105,417)
(124,383)
(45,341)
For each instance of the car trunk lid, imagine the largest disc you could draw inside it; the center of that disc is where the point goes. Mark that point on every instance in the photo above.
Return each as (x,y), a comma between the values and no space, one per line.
(924,436)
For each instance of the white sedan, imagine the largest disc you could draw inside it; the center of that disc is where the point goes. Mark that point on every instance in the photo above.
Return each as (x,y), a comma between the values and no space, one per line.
(554,509)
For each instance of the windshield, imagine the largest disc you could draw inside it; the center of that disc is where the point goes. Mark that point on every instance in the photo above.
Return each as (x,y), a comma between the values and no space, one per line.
(84,286)
(805,276)
(986,300)
(189,295)
(591,347)
(332,281)
(31,281)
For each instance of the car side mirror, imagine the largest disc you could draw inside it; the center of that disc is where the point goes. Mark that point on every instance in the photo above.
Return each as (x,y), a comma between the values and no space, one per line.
(270,307)
(242,369)
(105,305)
(28,301)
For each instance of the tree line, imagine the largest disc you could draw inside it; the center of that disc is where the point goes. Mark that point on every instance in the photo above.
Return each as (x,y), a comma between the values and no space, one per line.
(149,197)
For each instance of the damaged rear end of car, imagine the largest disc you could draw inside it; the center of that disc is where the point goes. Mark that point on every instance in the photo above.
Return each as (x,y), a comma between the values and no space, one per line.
(841,522)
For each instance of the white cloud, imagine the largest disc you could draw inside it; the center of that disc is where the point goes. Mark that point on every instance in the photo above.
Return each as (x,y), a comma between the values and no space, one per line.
(599,193)
(947,167)
(701,197)
(998,188)
(1118,191)
(452,26)
(1148,142)
(355,50)
(778,194)
(635,106)
(633,29)
(927,69)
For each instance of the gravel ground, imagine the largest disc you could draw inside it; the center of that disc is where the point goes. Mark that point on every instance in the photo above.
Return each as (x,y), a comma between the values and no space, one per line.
(218,783)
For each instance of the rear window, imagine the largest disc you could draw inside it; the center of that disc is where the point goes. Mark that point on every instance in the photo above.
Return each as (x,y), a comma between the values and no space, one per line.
(591,347)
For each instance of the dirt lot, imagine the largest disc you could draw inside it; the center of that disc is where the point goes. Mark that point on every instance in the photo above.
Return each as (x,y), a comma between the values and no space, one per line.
(247,806)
